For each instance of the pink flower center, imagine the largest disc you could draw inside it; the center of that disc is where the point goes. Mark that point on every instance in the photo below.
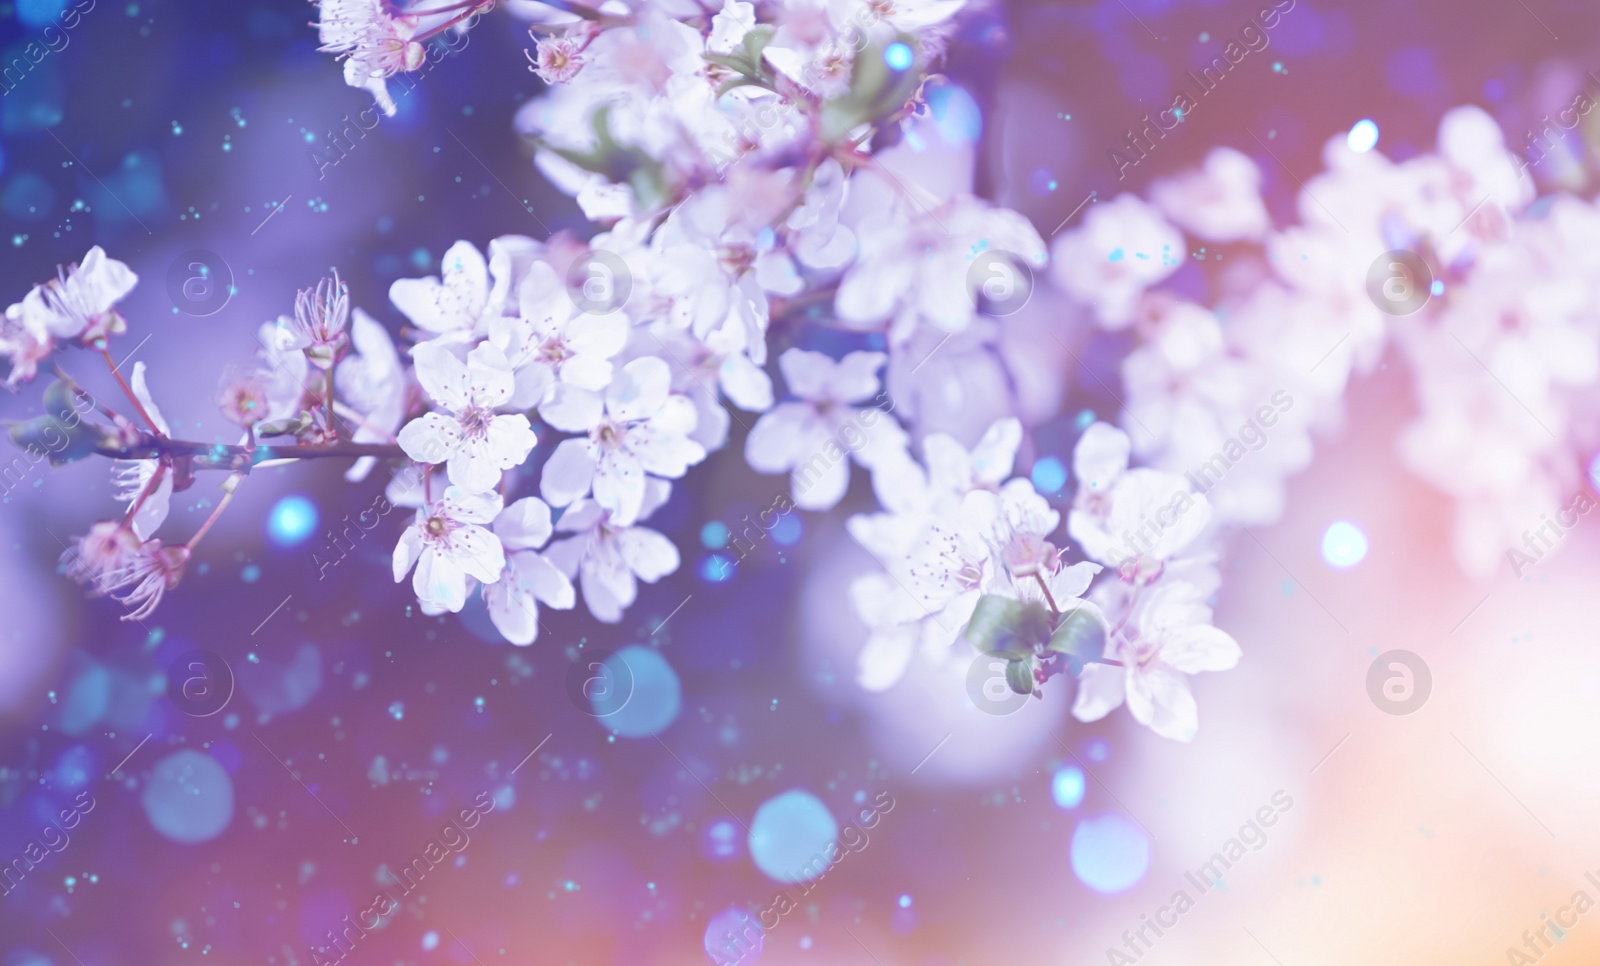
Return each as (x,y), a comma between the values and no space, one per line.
(475,422)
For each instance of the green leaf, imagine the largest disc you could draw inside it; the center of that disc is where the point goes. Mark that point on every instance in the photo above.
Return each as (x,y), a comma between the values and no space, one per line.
(738,63)
(756,41)
(875,92)
(288,426)
(46,437)
(60,401)
(1008,628)
(1081,637)
(1019,675)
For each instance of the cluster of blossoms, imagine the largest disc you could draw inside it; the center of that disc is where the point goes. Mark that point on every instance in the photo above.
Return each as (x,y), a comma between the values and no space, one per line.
(741,163)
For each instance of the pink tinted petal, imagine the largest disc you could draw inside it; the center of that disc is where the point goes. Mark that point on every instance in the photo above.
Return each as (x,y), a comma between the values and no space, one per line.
(1100,691)
(568,473)
(884,660)
(442,375)
(996,453)
(656,493)
(1161,701)
(464,507)
(1200,647)
(490,375)
(745,384)
(856,378)
(142,391)
(619,486)
(601,336)
(777,438)
(154,511)
(587,372)
(440,581)
(808,374)
(478,552)
(607,581)
(647,553)
(664,454)
(524,525)
(430,438)
(474,467)
(949,464)
(511,439)
(820,482)
(1100,457)
(572,409)
(406,552)
(513,611)
(640,389)
(545,580)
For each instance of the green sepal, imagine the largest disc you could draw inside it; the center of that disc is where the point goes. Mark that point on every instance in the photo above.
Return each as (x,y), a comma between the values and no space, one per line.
(1080,637)
(1008,628)
(1019,675)
(875,92)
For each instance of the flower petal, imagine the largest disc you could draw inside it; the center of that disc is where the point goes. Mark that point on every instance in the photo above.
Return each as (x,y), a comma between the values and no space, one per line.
(568,473)
(1100,692)
(571,409)
(524,525)
(430,438)
(640,389)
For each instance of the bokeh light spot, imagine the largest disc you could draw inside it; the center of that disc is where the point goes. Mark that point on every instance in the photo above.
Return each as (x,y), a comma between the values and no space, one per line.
(1344,545)
(292,521)
(1067,787)
(1049,474)
(1110,854)
(734,936)
(789,837)
(189,797)
(650,705)
(1363,136)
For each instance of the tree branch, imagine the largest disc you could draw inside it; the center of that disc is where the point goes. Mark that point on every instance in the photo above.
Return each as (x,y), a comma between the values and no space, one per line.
(216,456)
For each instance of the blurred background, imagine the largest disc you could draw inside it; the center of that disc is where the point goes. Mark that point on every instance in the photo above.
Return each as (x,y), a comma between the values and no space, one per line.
(356,728)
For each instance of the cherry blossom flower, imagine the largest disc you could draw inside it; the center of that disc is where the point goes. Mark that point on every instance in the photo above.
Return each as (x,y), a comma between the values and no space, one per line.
(243,395)
(815,438)
(143,575)
(1123,247)
(448,544)
(702,367)
(288,371)
(1168,637)
(1132,519)
(23,345)
(320,317)
(639,426)
(1220,202)
(373,386)
(529,577)
(453,306)
(80,303)
(558,58)
(466,433)
(105,549)
(131,478)
(914,498)
(550,340)
(915,261)
(373,43)
(608,559)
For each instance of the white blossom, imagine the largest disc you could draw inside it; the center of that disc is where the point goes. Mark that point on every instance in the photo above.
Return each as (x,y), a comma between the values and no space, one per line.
(477,443)
(448,544)
(638,426)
